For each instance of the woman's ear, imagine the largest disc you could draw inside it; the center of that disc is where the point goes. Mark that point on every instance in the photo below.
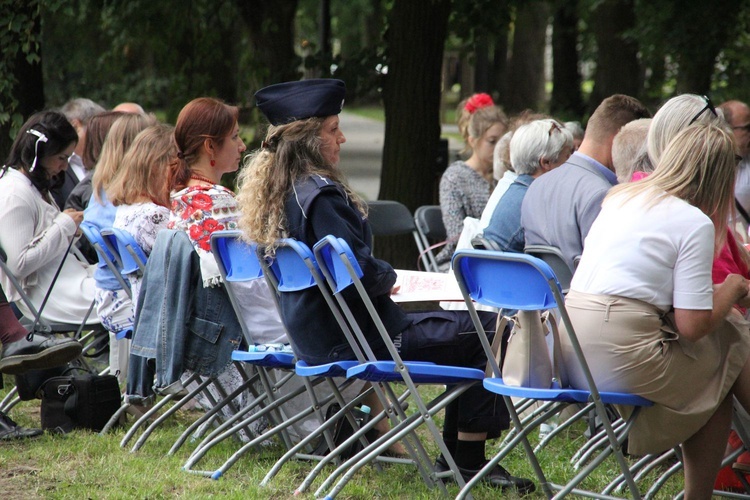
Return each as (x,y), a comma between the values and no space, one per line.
(208,146)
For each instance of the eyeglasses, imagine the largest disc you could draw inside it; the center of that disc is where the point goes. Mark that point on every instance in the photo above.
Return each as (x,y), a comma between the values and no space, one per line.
(709,106)
(555,126)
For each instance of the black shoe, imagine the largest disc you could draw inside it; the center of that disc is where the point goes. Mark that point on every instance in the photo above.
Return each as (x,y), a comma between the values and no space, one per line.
(497,478)
(39,353)
(9,430)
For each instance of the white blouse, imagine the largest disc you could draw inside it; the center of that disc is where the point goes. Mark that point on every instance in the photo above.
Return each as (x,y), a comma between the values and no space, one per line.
(661,254)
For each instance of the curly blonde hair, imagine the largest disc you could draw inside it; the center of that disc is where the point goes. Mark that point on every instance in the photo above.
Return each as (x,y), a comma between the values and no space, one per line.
(290,152)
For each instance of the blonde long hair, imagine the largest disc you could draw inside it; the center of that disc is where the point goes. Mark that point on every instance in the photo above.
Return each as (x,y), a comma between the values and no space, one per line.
(698,166)
(291,152)
(117,142)
(144,169)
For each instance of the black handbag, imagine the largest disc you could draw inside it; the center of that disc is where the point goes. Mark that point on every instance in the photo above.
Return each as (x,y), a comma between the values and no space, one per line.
(85,401)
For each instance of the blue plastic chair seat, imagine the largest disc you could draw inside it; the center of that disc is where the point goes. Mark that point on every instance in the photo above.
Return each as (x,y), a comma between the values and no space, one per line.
(267,359)
(568,395)
(338,369)
(420,372)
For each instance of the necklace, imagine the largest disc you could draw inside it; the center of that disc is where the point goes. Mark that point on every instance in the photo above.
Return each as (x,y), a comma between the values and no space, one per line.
(198,177)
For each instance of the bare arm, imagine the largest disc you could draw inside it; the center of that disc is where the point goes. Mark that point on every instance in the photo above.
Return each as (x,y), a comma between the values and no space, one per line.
(695,324)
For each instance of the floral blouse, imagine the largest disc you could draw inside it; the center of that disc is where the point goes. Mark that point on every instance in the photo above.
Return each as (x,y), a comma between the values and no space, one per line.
(143,221)
(199,211)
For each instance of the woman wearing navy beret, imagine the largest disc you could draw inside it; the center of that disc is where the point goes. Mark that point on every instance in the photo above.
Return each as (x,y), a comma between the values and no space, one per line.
(292,187)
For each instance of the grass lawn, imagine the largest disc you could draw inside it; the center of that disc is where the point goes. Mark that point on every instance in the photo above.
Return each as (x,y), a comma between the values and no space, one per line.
(85,465)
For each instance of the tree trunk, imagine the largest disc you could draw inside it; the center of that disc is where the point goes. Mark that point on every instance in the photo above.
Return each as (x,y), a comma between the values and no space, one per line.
(411,95)
(698,49)
(271,32)
(500,65)
(617,70)
(566,80)
(526,67)
(481,64)
(28,90)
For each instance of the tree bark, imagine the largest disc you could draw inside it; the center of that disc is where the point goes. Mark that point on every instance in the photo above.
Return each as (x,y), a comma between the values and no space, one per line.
(566,80)
(271,32)
(411,94)
(526,67)
(702,41)
(617,70)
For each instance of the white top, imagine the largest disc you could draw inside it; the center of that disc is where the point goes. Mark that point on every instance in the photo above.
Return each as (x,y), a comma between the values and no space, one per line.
(34,235)
(660,254)
(502,186)
(143,221)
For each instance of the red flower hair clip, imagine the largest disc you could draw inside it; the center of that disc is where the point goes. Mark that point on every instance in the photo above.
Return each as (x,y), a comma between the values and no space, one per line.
(478,101)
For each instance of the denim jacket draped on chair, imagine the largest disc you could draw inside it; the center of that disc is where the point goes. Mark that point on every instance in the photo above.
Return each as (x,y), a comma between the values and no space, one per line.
(179,323)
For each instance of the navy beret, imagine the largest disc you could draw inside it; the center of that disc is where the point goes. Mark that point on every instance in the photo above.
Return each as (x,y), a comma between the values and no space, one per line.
(286,102)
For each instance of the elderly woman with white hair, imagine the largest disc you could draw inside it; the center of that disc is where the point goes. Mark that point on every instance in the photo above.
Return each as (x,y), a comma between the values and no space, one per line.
(536,148)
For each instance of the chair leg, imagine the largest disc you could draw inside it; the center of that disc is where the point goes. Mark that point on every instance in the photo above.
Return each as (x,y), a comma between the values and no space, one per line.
(179,404)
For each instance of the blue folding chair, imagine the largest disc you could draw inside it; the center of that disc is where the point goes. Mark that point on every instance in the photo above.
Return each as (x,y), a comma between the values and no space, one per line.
(238,262)
(342,270)
(292,269)
(106,257)
(132,256)
(523,282)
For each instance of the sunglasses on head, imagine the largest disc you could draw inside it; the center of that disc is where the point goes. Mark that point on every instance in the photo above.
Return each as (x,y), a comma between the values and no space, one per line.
(709,106)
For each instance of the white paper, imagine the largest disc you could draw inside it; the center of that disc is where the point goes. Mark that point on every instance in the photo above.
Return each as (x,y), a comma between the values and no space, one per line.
(418,286)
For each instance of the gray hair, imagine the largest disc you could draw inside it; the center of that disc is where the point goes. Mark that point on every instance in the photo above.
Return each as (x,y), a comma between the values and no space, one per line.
(575,129)
(628,147)
(500,156)
(675,115)
(81,109)
(540,139)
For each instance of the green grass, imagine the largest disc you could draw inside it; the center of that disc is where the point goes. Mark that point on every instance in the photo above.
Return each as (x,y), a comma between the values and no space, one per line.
(85,465)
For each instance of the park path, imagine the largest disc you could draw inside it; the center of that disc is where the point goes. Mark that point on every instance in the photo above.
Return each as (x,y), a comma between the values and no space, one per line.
(361,156)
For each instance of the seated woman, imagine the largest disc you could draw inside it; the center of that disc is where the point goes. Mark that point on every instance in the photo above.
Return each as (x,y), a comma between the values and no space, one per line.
(292,187)
(139,190)
(209,145)
(536,148)
(648,318)
(114,307)
(465,186)
(34,234)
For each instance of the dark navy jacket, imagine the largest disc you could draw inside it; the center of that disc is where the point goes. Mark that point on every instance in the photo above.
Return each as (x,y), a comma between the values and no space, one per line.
(316,208)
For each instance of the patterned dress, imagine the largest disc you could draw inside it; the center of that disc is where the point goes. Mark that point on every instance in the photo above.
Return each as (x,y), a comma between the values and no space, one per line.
(143,221)
(199,211)
(463,193)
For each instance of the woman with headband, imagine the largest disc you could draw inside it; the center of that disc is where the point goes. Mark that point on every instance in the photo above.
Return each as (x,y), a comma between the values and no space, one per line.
(466,185)
(35,237)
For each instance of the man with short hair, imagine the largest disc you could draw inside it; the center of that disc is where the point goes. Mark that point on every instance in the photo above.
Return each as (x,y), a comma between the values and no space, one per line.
(560,207)
(629,151)
(78,111)
(737,115)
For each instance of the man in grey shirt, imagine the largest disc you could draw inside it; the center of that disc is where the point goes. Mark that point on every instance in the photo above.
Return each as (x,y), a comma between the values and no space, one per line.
(560,207)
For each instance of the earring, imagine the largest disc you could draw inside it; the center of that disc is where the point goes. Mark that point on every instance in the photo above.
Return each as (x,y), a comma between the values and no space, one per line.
(213,162)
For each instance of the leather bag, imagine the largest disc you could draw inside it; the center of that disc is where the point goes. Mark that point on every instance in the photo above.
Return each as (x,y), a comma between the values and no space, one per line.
(527,360)
(79,402)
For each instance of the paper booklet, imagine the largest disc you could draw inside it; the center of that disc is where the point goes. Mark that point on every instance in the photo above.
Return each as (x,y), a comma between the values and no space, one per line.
(418,286)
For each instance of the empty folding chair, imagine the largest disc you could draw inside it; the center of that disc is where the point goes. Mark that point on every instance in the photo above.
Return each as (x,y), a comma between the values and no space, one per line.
(523,282)
(428,220)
